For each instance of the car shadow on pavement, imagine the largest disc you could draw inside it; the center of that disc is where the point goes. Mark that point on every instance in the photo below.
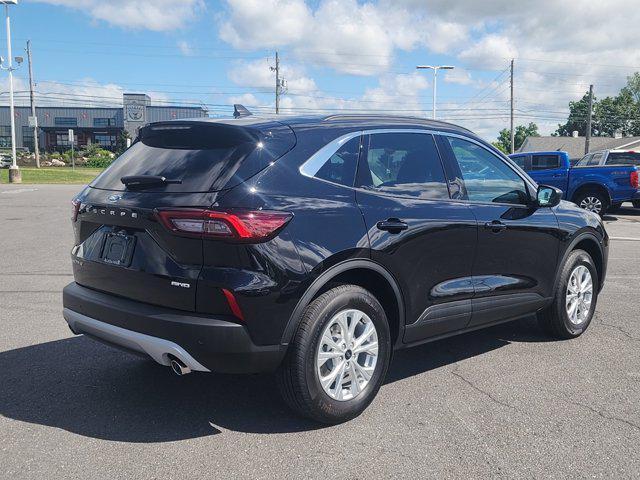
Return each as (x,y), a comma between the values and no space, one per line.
(613,214)
(90,389)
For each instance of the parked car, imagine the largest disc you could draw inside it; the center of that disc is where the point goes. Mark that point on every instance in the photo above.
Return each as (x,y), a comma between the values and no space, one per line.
(5,162)
(316,246)
(591,184)
(613,157)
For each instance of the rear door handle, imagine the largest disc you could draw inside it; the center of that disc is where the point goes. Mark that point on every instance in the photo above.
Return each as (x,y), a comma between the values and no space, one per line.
(392,225)
(495,226)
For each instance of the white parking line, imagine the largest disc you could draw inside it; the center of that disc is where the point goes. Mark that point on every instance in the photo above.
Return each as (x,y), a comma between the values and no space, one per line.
(625,239)
(20,190)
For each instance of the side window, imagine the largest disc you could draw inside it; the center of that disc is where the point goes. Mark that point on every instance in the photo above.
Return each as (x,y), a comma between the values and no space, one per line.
(584,161)
(404,164)
(520,161)
(341,166)
(595,160)
(487,178)
(544,162)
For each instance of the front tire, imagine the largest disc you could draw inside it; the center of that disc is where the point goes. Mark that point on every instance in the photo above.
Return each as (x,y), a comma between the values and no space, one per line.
(575,298)
(636,203)
(339,356)
(593,201)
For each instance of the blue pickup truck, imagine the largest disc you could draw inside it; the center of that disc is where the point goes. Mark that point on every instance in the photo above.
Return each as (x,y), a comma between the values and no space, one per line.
(594,187)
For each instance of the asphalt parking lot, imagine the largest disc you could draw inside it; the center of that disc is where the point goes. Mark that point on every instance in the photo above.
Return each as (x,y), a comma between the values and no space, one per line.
(502,402)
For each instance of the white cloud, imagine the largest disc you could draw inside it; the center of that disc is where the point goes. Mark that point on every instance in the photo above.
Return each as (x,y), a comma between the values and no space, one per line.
(559,49)
(258,74)
(158,15)
(323,35)
(246,99)
(401,94)
(85,92)
(458,76)
(490,52)
(185,48)
(265,23)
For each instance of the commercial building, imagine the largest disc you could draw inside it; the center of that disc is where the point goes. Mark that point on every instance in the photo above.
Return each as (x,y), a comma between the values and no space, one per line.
(99,125)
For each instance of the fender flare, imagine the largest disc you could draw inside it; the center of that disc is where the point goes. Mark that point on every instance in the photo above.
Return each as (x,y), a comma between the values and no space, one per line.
(326,277)
(578,238)
(592,185)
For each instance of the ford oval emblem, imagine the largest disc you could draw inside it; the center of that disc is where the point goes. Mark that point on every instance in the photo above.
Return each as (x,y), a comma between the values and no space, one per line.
(114,198)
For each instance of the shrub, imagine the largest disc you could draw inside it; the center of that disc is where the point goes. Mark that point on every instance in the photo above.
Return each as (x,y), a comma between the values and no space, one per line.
(98,162)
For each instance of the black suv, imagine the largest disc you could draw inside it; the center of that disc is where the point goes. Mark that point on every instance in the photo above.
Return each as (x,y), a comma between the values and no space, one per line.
(316,246)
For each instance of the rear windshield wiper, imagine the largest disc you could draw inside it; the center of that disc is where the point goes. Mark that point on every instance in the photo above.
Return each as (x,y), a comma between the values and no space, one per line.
(141,181)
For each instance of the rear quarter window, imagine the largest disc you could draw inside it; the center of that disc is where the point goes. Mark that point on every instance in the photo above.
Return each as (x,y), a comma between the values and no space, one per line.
(341,166)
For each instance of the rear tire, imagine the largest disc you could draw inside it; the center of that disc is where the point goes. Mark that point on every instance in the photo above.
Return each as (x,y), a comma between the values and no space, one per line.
(594,201)
(636,204)
(318,352)
(574,303)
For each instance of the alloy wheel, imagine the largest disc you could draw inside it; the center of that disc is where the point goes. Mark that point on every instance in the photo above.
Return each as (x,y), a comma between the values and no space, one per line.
(347,354)
(579,295)
(593,204)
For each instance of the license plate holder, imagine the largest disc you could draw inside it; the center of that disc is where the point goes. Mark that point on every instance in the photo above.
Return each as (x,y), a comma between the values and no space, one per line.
(118,249)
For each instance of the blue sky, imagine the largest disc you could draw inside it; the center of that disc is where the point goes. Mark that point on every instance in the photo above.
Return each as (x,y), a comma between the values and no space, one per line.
(336,55)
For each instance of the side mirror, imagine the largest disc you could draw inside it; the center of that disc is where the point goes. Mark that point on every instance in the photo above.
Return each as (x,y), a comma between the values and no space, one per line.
(548,196)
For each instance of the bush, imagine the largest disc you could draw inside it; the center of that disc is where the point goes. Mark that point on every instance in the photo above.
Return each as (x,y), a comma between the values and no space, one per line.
(96,156)
(98,162)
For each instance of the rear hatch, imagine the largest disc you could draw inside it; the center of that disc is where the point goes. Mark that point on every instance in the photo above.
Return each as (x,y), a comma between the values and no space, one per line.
(121,246)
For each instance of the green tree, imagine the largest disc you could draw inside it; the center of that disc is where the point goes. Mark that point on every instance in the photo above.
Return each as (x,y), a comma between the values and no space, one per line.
(577,120)
(522,131)
(121,142)
(633,87)
(610,115)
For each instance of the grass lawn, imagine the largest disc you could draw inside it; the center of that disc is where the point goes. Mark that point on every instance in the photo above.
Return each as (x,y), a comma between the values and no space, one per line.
(53,175)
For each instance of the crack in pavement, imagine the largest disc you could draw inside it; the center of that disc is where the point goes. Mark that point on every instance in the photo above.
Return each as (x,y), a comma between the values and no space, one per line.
(616,327)
(480,390)
(601,414)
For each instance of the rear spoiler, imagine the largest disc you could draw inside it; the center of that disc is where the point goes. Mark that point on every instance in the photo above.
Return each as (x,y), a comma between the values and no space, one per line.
(240,111)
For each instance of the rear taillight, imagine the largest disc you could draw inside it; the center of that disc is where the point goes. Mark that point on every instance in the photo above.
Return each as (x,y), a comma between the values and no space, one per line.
(75,206)
(633,178)
(237,225)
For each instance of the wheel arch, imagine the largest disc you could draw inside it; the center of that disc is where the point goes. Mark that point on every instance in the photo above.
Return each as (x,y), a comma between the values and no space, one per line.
(362,272)
(591,187)
(589,243)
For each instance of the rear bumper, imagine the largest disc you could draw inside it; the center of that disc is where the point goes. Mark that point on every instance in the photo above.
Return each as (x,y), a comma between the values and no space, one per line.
(203,343)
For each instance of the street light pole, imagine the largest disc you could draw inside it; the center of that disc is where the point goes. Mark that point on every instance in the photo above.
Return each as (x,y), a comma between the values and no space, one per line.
(14,172)
(435,69)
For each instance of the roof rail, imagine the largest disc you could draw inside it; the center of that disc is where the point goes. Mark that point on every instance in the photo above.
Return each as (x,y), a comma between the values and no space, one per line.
(360,116)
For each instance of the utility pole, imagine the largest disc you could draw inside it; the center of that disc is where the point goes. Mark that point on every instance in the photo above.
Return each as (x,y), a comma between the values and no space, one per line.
(587,137)
(33,107)
(278,82)
(512,102)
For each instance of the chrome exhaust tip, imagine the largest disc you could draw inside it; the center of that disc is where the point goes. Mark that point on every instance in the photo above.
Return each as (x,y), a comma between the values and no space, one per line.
(178,367)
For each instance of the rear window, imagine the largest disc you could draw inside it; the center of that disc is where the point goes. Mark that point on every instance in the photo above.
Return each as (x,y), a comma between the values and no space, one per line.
(623,158)
(544,162)
(200,156)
